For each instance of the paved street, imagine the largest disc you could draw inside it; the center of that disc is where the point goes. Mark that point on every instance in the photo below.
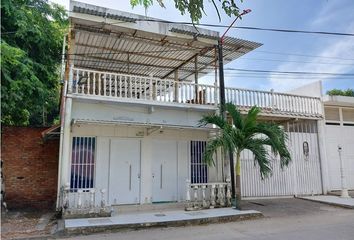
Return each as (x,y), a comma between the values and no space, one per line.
(284,219)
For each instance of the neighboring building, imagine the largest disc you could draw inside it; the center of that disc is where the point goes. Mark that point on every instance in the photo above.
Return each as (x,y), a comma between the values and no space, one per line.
(339,127)
(131,104)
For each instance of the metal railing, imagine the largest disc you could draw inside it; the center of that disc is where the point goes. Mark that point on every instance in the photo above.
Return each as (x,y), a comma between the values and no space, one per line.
(137,88)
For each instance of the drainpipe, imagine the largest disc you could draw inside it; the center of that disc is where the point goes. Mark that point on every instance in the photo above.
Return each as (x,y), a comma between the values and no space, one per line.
(63,84)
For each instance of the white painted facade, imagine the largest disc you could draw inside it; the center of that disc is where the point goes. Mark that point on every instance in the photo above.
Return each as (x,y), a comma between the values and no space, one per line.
(137,130)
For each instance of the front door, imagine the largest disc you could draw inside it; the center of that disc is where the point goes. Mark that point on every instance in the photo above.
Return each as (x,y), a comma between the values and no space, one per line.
(124,171)
(164,171)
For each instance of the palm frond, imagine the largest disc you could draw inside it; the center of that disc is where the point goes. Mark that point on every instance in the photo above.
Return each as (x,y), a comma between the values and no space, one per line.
(261,157)
(211,148)
(277,139)
(235,114)
(212,119)
(251,118)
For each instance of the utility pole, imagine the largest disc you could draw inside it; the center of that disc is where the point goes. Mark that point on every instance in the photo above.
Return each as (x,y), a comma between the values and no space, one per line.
(222,99)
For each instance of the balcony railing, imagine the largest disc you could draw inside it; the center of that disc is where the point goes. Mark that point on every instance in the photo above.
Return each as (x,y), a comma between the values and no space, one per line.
(123,87)
(274,102)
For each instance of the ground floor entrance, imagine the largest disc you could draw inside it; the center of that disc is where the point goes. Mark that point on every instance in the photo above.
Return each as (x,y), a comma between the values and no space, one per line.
(125,171)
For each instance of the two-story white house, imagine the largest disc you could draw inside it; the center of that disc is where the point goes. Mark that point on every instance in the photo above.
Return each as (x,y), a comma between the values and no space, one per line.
(131,103)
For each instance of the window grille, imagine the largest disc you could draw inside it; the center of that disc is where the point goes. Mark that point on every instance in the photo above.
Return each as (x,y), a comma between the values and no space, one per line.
(83,163)
(199,169)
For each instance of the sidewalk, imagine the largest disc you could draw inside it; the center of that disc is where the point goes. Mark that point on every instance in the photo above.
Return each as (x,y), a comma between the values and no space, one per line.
(157,219)
(332,200)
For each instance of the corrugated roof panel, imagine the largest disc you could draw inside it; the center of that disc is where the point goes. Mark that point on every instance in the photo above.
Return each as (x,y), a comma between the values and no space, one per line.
(150,48)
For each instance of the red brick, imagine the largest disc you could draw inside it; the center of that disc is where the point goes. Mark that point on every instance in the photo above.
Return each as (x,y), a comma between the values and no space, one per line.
(26,155)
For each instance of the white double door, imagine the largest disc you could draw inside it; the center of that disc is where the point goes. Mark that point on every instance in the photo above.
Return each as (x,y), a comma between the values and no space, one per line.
(125,181)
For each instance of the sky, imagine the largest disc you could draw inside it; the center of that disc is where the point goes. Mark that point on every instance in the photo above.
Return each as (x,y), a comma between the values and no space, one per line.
(280,51)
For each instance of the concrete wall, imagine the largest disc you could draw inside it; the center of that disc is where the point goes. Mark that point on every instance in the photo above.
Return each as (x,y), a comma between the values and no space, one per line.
(134,113)
(30,168)
(312,90)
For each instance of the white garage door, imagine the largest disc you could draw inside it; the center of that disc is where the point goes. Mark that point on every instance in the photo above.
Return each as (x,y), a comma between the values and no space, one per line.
(344,136)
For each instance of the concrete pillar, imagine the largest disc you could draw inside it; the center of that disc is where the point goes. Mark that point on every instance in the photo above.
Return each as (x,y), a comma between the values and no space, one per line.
(66,151)
(323,155)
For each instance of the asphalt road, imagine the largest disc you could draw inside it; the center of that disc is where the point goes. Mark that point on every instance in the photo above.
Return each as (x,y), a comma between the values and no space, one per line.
(284,219)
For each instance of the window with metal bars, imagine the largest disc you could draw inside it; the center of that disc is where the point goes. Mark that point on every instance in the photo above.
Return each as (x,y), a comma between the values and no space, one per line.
(199,169)
(83,163)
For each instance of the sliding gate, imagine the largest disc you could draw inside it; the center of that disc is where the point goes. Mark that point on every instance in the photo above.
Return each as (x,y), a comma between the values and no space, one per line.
(301,177)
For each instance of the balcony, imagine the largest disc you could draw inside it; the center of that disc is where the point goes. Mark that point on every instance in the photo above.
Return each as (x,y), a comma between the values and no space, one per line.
(114,87)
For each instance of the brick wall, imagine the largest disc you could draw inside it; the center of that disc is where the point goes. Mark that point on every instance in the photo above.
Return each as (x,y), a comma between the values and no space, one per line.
(30,168)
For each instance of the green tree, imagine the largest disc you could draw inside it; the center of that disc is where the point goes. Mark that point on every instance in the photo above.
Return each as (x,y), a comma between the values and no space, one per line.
(247,132)
(195,8)
(338,92)
(31,43)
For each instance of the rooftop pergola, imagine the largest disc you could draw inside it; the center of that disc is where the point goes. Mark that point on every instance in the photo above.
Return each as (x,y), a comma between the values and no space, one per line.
(114,41)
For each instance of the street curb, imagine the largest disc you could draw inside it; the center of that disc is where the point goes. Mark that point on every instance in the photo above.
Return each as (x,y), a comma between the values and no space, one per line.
(328,203)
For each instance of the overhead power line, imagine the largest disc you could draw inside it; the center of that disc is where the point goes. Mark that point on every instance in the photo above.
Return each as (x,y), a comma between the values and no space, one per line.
(302,55)
(293,61)
(226,26)
(251,28)
(290,72)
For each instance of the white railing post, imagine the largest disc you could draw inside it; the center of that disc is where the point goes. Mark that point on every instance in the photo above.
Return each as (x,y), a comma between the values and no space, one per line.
(204,202)
(221,196)
(228,192)
(92,199)
(195,203)
(188,194)
(272,102)
(212,196)
(79,198)
(176,93)
(103,201)
(216,93)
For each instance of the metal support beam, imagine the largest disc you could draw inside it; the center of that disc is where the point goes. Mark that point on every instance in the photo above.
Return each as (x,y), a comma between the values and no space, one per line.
(179,66)
(196,78)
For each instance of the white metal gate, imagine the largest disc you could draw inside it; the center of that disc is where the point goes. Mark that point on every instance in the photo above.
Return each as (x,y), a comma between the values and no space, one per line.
(302,176)
(340,135)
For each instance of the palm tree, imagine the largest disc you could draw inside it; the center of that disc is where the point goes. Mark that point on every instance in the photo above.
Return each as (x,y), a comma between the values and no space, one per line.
(246,132)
